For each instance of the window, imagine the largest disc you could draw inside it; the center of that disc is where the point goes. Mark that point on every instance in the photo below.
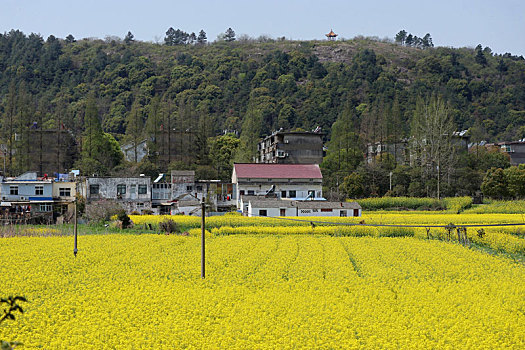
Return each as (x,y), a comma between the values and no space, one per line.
(13,190)
(292,194)
(283,195)
(140,205)
(121,189)
(311,193)
(39,190)
(241,192)
(143,189)
(132,189)
(46,207)
(64,192)
(199,188)
(263,212)
(342,213)
(94,189)
(251,192)
(189,188)
(326,210)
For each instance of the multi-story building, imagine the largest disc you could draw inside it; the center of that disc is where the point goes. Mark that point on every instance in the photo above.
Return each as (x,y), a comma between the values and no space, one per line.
(291,181)
(27,193)
(291,148)
(132,193)
(515,150)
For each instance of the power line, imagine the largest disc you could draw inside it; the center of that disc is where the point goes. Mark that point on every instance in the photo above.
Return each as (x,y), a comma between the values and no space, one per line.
(384,225)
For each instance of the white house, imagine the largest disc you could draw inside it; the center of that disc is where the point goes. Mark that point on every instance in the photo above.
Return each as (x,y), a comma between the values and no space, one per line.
(282,207)
(291,181)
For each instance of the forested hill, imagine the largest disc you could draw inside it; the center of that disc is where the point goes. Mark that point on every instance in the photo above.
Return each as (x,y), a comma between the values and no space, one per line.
(253,86)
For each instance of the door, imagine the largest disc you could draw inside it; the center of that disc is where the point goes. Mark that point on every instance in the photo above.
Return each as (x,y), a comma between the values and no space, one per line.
(283,212)
(356,212)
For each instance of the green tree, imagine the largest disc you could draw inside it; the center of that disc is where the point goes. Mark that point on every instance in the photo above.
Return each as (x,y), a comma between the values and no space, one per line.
(515,177)
(480,57)
(100,151)
(169,39)
(70,39)
(222,152)
(495,184)
(129,38)
(401,37)
(353,186)
(229,35)
(202,39)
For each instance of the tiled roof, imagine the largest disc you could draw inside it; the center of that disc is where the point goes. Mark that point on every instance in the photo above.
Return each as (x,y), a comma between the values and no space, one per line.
(275,203)
(327,205)
(277,171)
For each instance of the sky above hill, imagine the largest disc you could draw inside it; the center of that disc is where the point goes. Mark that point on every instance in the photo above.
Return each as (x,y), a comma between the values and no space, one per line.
(499,25)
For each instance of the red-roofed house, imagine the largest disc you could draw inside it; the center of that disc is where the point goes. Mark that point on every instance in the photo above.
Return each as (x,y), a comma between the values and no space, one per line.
(290,181)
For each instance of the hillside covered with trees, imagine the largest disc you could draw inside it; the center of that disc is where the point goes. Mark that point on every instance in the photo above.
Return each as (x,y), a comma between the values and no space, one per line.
(228,93)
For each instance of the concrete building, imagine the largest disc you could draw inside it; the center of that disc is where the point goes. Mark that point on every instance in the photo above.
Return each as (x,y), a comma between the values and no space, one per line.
(132,193)
(64,194)
(292,181)
(219,195)
(161,195)
(291,148)
(515,150)
(182,182)
(282,207)
(27,196)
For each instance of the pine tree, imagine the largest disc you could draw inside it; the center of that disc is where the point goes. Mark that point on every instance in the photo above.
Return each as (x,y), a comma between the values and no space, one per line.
(202,39)
(229,35)
(480,57)
(169,39)
(129,38)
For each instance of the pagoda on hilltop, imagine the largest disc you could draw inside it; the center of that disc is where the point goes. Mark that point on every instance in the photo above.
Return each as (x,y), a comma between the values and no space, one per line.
(331,35)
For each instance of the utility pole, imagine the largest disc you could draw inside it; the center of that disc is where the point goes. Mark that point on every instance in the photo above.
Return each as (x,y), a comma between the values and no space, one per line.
(203,230)
(75,250)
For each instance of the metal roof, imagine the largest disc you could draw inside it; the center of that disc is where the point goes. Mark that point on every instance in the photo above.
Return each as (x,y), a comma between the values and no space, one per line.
(277,171)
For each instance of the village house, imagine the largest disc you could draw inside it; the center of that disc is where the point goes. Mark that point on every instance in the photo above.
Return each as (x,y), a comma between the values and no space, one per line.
(291,148)
(64,195)
(27,194)
(515,150)
(291,181)
(273,207)
(161,195)
(132,193)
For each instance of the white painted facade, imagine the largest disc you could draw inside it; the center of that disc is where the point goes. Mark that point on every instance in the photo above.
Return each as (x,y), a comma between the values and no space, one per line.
(282,207)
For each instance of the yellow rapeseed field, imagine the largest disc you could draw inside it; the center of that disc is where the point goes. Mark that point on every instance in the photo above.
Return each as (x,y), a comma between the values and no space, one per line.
(261,291)
(505,239)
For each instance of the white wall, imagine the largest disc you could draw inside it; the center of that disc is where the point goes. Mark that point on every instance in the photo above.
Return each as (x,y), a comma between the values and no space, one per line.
(260,190)
(334,212)
(271,212)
